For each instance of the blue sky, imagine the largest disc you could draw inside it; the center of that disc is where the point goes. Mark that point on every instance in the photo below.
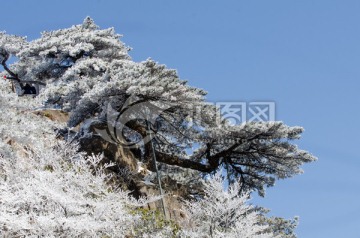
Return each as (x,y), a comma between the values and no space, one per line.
(303,55)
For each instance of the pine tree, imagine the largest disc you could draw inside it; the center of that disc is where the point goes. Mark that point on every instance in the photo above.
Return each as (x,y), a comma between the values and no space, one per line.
(87,69)
(141,108)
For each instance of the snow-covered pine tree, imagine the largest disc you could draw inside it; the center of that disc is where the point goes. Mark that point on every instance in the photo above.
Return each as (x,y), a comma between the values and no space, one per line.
(120,104)
(87,69)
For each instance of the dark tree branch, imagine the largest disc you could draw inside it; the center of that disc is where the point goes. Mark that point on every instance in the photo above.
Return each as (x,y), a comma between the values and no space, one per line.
(184,163)
(3,63)
(14,76)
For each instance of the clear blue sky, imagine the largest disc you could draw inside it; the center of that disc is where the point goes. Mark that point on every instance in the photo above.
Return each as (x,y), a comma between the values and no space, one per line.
(304,55)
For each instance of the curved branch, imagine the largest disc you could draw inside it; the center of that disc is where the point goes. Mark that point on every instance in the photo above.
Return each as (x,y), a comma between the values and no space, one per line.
(13,75)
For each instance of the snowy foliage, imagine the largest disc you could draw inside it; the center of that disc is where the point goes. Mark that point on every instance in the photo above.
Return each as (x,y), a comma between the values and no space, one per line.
(50,188)
(47,196)
(223,213)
